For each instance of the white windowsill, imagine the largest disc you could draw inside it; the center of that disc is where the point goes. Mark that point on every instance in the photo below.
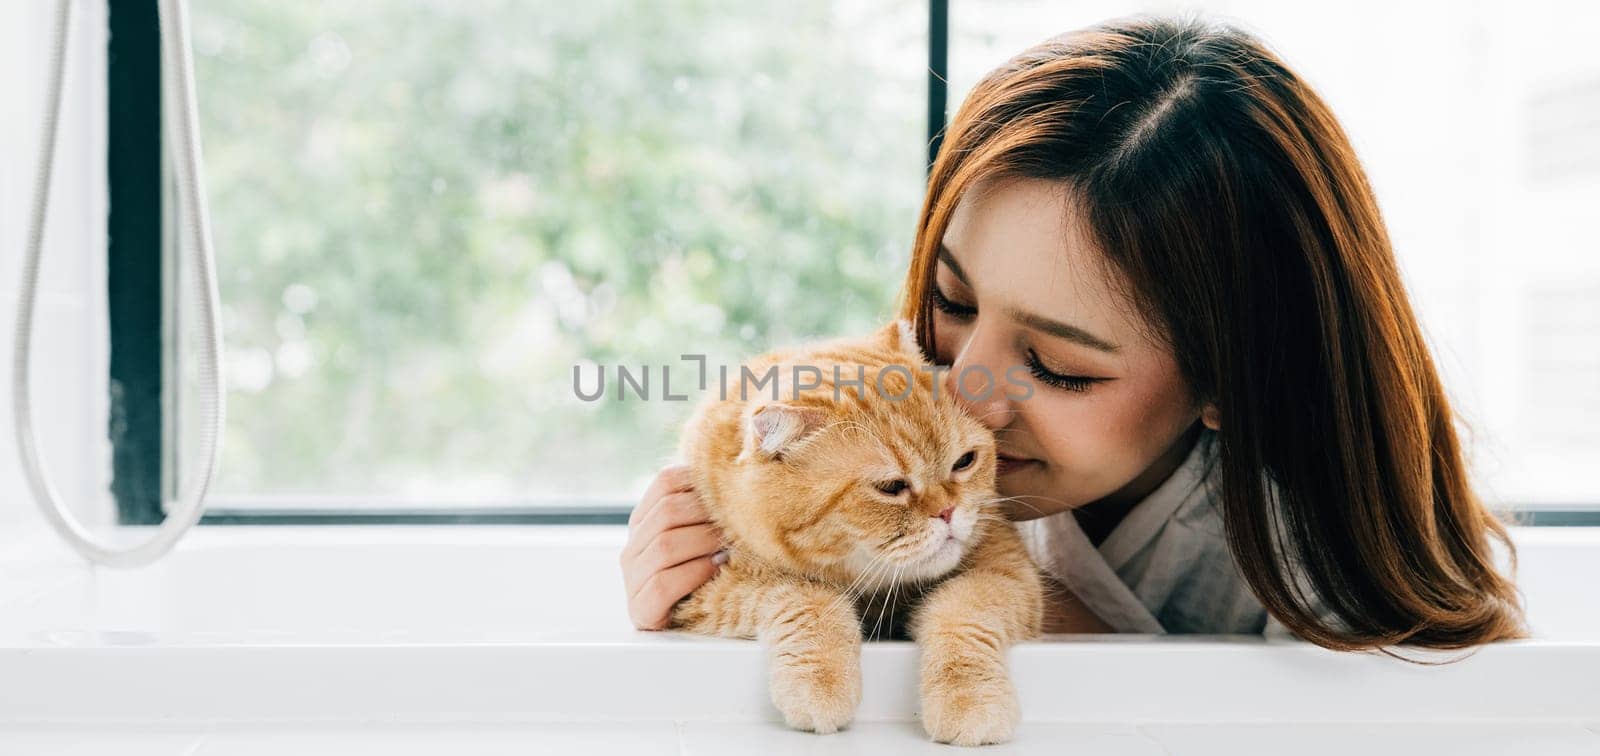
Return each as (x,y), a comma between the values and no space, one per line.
(525,624)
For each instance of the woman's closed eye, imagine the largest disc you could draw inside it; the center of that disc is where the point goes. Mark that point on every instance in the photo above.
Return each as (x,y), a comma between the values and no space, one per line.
(1035,366)
(1068,382)
(950,307)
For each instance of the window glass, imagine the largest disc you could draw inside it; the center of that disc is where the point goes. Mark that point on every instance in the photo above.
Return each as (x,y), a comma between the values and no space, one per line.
(426,213)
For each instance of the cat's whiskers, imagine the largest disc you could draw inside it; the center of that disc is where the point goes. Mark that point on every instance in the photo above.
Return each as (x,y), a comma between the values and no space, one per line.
(1018,499)
(882,609)
(850,590)
(887,566)
(866,580)
(894,592)
(1029,507)
(985,415)
(1049,499)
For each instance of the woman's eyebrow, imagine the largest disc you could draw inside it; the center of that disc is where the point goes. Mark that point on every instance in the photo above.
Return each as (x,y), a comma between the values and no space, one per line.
(1064,331)
(1057,329)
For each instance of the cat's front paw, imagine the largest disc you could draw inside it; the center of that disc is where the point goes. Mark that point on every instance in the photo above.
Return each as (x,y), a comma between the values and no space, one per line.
(970,709)
(818,695)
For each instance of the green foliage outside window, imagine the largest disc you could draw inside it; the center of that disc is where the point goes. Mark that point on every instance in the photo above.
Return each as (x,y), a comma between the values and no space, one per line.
(427,213)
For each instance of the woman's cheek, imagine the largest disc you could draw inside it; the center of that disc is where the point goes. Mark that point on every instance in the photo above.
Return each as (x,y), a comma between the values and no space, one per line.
(1066,429)
(1050,423)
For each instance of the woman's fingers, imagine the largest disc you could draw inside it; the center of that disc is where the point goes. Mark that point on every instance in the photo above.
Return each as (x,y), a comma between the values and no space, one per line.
(651,606)
(675,510)
(668,549)
(670,479)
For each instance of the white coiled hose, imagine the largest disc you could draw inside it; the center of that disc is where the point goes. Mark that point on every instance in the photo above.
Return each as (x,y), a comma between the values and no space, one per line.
(182,126)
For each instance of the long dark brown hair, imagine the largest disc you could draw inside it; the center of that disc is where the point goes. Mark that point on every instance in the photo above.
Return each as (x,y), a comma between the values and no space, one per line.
(1231,210)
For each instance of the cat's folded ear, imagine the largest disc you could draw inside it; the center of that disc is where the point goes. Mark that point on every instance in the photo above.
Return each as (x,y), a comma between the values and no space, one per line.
(901,336)
(773,428)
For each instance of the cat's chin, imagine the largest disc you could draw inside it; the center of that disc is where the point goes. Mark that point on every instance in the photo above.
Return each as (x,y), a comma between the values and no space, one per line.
(931,565)
(943,559)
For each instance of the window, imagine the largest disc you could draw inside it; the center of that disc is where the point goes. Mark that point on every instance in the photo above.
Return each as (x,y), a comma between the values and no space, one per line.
(427,213)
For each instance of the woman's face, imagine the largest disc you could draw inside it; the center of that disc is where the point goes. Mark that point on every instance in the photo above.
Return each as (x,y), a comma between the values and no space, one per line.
(1017,286)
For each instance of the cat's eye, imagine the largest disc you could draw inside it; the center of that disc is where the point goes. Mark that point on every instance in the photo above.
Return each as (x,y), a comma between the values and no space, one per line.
(965,461)
(893,487)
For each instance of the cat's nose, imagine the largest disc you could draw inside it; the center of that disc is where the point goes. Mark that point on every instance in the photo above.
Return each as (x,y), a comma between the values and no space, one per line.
(945,514)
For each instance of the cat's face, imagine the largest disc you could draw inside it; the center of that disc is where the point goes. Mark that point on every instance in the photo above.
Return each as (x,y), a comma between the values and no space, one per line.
(888,486)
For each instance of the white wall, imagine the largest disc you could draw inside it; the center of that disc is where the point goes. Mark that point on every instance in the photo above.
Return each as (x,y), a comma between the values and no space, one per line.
(70,356)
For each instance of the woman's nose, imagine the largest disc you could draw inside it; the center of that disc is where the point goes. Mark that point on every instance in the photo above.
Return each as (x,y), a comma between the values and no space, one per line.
(975,380)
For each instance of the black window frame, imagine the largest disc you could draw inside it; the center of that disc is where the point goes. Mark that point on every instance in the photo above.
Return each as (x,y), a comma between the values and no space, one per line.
(143,464)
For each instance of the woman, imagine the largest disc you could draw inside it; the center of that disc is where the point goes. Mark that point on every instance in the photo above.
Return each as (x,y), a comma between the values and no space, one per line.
(1236,424)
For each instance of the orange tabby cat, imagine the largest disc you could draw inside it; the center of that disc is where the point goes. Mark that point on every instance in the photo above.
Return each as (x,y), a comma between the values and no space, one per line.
(877,497)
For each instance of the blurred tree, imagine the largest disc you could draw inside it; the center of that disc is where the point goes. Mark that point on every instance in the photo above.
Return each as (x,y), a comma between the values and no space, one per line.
(428,212)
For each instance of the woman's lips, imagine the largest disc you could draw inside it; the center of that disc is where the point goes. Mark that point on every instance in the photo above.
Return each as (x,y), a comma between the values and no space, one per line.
(1006,464)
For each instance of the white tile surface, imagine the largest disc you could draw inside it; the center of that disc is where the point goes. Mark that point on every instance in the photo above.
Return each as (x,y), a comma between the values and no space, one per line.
(1515,739)
(880,738)
(773,739)
(97,740)
(643,739)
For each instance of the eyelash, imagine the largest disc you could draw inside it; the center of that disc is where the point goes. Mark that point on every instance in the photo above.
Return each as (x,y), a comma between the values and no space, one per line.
(1068,382)
(951,308)
(1035,366)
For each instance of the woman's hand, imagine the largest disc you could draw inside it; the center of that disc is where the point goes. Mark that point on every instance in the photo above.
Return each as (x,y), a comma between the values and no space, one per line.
(672,548)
